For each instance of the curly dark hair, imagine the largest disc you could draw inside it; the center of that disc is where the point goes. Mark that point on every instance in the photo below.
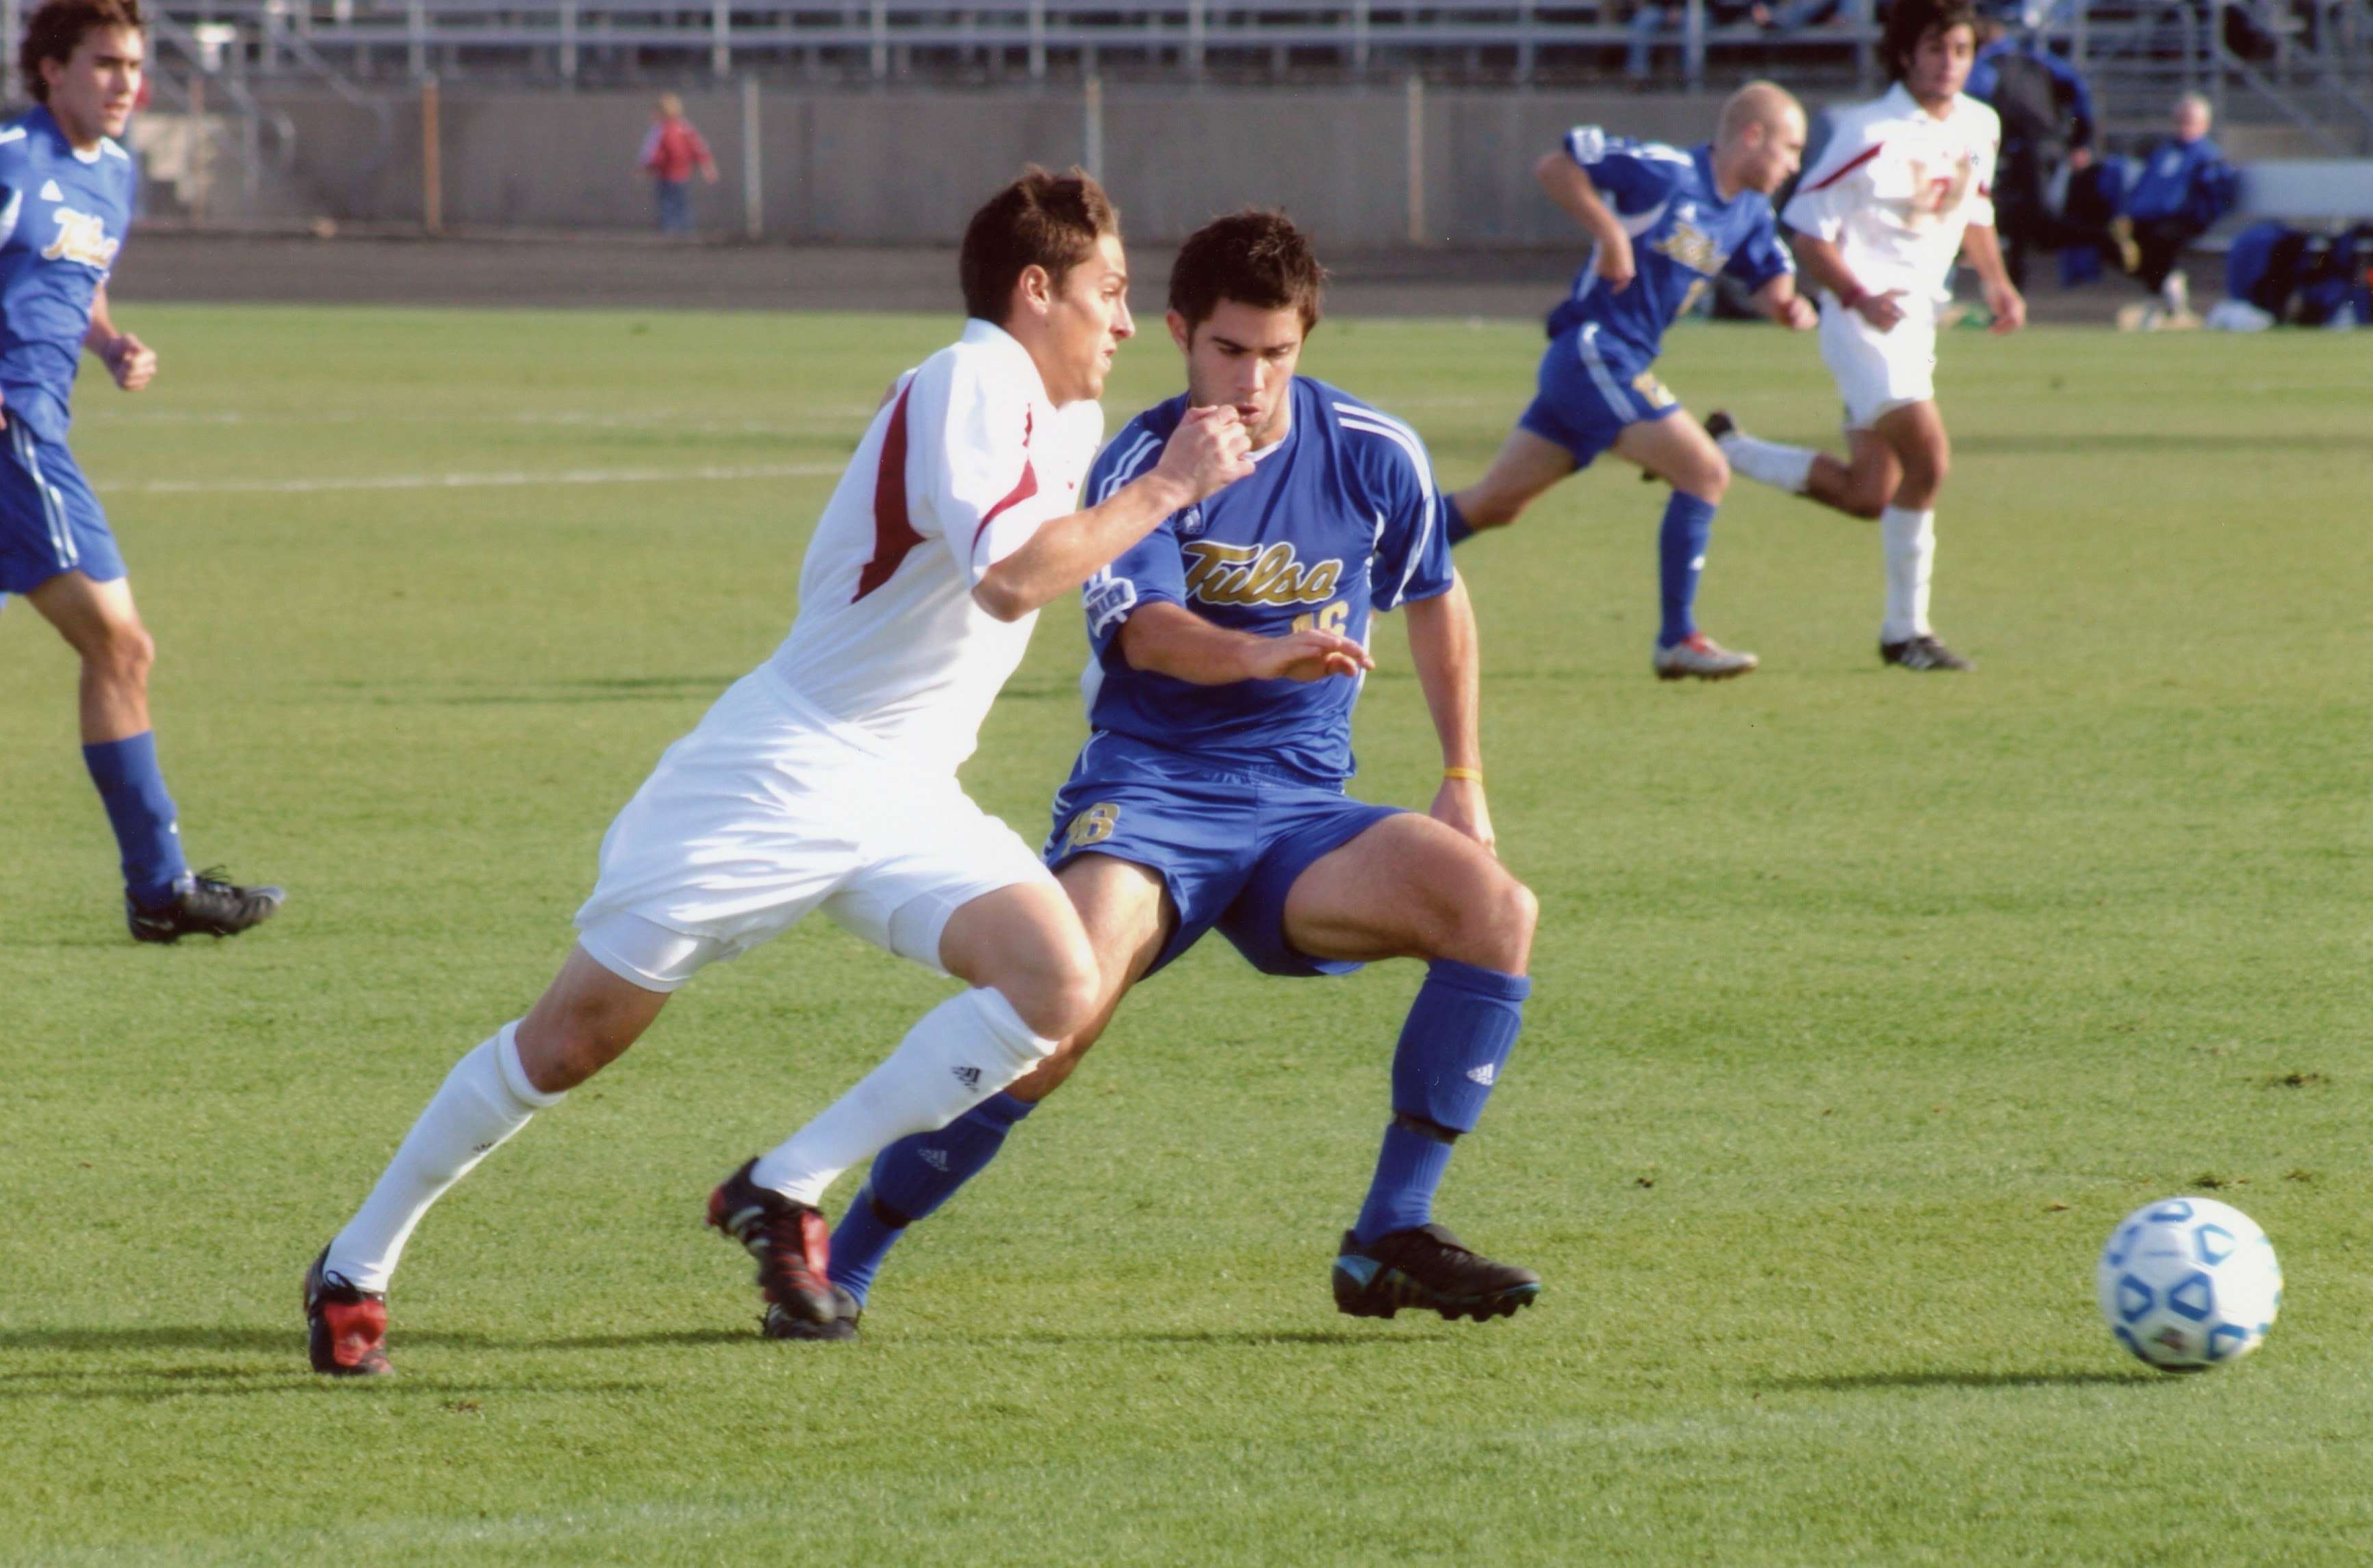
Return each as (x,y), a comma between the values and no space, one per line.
(57,29)
(1908,21)
(1255,257)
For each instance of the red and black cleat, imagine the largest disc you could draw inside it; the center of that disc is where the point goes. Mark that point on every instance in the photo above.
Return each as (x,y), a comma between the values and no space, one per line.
(793,1246)
(346,1326)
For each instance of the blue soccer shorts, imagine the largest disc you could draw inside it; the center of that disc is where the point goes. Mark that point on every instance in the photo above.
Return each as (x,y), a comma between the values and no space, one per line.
(50,522)
(1228,845)
(1588,392)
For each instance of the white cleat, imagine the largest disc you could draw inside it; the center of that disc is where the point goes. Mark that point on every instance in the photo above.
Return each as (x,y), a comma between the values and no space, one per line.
(1701,655)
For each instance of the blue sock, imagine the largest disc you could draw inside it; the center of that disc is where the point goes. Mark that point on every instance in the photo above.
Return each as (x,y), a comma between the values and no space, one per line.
(1456,529)
(911,1178)
(1459,1033)
(1681,549)
(141,813)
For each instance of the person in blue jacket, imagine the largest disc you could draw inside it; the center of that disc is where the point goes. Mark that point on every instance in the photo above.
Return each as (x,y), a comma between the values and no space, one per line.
(2183,185)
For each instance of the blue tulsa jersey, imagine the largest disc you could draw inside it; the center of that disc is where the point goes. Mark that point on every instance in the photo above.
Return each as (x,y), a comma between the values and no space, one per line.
(1683,234)
(1337,519)
(63,216)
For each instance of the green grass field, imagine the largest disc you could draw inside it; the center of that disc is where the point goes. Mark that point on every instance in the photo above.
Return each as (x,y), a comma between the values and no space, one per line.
(1866,1003)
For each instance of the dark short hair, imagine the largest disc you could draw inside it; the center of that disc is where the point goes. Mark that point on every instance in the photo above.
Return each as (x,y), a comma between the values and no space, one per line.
(56,29)
(1255,257)
(1041,221)
(1908,21)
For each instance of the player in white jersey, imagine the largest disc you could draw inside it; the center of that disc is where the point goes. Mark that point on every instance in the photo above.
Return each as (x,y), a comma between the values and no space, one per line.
(825,779)
(1904,185)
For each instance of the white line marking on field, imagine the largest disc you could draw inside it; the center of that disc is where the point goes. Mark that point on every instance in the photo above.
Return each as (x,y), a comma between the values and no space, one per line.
(469,481)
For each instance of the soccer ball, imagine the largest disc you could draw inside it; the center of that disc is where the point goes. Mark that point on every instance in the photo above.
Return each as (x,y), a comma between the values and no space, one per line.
(2188,1284)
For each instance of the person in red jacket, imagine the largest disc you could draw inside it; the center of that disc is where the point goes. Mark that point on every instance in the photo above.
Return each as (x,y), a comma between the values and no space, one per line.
(671,153)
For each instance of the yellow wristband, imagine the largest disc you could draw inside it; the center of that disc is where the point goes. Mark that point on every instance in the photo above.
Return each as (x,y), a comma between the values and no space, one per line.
(1472,773)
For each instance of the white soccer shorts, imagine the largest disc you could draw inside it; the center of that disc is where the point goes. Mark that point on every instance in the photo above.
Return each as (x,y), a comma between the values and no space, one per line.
(764,813)
(1880,371)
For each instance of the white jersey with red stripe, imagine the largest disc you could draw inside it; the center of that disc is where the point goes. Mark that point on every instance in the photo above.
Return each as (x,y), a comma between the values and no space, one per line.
(959,468)
(1896,186)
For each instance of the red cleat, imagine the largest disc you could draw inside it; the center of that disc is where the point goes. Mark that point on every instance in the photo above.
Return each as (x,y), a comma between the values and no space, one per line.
(793,1246)
(346,1326)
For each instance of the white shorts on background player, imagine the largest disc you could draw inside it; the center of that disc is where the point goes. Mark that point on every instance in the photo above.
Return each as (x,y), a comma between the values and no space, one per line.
(827,778)
(1878,371)
(1894,189)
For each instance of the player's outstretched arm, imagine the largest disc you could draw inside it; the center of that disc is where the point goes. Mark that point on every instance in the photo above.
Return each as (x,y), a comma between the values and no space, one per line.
(1170,640)
(131,362)
(1825,265)
(1449,659)
(1207,451)
(1570,188)
(1984,248)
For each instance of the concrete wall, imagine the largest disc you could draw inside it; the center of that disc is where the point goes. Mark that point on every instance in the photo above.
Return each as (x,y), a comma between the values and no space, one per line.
(891,167)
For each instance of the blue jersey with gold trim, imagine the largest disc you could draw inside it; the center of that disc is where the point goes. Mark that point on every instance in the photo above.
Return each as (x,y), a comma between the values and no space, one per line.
(1337,519)
(1683,234)
(62,218)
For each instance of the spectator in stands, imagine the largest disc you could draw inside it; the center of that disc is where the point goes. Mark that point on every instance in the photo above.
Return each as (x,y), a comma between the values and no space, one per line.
(671,153)
(1653,18)
(2047,125)
(2183,185)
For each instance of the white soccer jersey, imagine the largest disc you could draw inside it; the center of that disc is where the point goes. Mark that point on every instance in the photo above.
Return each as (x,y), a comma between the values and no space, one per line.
(1897,185)
(957,473)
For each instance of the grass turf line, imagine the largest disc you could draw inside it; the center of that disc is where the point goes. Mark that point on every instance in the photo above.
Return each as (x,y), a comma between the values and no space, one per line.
(1847,979)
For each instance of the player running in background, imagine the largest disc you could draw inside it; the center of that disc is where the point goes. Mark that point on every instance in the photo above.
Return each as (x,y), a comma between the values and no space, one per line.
(1228,650)
(1663,224)
(825,779)
(1904,185)
(65,204)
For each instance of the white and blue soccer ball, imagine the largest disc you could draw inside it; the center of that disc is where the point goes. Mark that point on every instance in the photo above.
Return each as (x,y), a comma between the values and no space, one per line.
(2188,1284)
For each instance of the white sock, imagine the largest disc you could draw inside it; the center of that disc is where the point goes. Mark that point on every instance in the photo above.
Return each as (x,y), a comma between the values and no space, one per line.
(961,1052)
(484,1100)
(1789,468)
(1911,539)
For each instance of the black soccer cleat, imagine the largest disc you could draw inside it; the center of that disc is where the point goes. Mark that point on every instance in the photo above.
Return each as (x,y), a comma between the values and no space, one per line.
(841,1325)
(346,1326)
(1923,652)
(203,905)
(1431,1269)
(1720,424)
(793,1246)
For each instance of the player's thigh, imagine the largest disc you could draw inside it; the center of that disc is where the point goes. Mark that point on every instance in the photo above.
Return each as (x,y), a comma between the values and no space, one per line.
(1915,434)
(1527,466)
(96,618)
(1127,910)
(1412,887)
(1675,449)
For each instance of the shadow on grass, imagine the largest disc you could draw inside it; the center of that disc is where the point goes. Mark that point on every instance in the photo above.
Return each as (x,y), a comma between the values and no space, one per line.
(1856,1382)
(1253,1336)
(197,1338)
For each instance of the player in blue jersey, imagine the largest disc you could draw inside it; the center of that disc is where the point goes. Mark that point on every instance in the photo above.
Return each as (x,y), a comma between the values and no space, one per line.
(1228,651)
(1664,223)
(66,201)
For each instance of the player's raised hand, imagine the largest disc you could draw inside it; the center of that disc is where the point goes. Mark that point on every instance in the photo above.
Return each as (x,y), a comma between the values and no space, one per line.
(1881,309)
(131,362)
(1306,656)
(2009,306)
(1459,805)
(1209,449)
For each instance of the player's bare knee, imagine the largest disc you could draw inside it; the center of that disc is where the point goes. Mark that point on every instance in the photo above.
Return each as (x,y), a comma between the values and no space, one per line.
(1492,925)
(1708,478)
(122,656)
(1059,993)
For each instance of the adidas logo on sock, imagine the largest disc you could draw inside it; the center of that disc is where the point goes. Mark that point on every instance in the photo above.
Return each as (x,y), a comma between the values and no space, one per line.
(968,1076)
(935,1158)
(1484,1074)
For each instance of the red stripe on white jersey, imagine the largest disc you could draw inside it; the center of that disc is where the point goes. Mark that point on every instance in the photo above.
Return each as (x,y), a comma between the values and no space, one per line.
(1846,168)
(1024,489)
(894,531)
